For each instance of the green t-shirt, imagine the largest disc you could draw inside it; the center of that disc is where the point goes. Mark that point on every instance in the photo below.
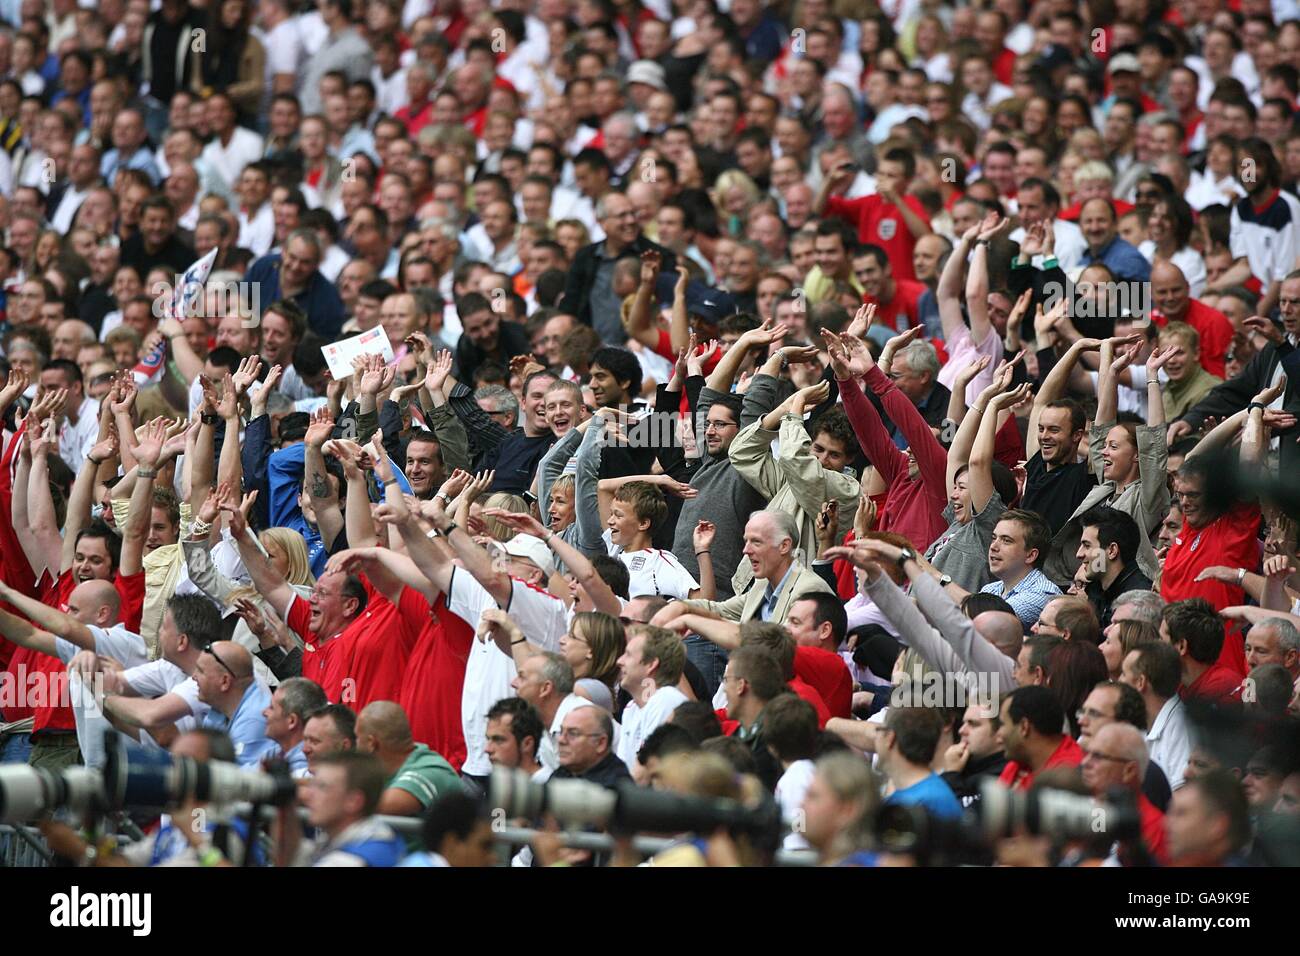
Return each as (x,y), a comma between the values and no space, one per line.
(425,775)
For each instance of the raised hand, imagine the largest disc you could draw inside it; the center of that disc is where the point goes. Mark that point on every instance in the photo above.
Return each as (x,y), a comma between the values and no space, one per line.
(838,355)
(864,519)
(1127,356)
(379,456)
(249,368)
(228,404)
(702,536)
(481,483)
(969,373)
(695,363)
(455,484)
(523,522)
(763,336)
(1265,327)
(105,449)
(813,395)
(1272,393)
(827,522)
(862,321)
(679,488)
(320,429)
(1157,359)
(419,345)
(149,449)
(438,371)
(1015,397)
(17,384)
(211,507)
(178,434)
(651,263)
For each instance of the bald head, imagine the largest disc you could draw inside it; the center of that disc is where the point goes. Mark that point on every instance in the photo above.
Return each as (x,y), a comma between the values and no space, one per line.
(1124,741)
(1165,272)
(387,723)
(1002,629)
(95,602)
(236,657)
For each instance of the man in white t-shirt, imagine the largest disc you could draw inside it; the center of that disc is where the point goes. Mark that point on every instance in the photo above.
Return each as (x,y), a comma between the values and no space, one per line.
(546,681)
(155,695)
(649,670)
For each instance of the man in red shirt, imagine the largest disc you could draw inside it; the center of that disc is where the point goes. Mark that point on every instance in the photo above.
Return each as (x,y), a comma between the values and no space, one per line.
(990,34)
(890,219)
(418,112)
(818,624)
(1031,735)
(897,301)
(1117,757)
(1173,302)
(1195,630)
(358,630)
(1211,537)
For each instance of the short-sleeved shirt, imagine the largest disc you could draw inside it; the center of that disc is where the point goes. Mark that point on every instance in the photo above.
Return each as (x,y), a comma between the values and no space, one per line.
(932,793)
(882,224)
(367,660)
(640,722)
(160,677)
(489,672)
(435,679)
(425,775)
(654,571)
(1231,540)
(826,672)
(116,642)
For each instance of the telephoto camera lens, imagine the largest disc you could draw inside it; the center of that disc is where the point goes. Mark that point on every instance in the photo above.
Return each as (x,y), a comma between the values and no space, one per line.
(154,779)
(27,793)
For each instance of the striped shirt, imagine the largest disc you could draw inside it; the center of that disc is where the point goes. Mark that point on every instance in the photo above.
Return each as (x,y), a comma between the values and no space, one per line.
(1028,598)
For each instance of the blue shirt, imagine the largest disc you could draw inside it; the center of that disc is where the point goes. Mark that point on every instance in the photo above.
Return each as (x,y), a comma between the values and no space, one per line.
(320,300)
(1122,258)
(1028,598)
(932,794)
(140,159)
(773,595)
(284,472)
(247,728)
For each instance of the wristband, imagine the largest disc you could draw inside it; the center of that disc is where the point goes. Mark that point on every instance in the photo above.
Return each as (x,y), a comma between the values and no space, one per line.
(209,418)
(210,857)
(698,553)
(146,473)
(547,540)
(390,481)
(1254,405)
(1050,262)
(1241,576)
(200,528)
(981,242)
(443,496)
(520,641)
(450,528)
(94,461)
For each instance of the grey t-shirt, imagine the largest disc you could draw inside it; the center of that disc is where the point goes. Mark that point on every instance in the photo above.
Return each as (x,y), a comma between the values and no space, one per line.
(962,552)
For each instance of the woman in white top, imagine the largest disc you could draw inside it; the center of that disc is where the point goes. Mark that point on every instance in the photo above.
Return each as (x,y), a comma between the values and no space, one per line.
(932,49)
(1169,233)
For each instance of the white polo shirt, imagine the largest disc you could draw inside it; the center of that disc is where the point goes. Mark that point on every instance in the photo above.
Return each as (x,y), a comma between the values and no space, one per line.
(640,722)
(489,672)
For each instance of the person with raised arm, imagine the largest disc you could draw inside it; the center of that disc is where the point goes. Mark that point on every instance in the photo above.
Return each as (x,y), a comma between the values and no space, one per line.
(979,488)
(916,478)
(1129,462)
(966,345)
(1056,481)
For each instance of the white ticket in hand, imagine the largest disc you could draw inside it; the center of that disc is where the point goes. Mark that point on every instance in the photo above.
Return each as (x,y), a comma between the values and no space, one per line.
(339,355)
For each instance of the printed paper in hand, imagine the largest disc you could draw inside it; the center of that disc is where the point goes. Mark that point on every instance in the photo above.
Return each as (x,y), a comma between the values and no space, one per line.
(339,355)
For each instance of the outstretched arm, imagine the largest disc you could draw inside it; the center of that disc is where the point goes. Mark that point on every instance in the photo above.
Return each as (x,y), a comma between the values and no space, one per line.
(269,582)
(47,618)
(602,596)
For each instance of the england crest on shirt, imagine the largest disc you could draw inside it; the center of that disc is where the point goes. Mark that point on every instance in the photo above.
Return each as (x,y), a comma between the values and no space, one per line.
(886,229)
(637,563)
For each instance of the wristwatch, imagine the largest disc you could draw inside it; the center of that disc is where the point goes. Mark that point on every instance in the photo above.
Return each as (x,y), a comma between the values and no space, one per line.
(945,580)
(905,555)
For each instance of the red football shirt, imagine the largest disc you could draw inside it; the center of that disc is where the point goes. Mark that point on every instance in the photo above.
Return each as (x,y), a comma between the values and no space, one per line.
(827,672)
(906,304)
(882,224)
(1217,683)
(809,693)
(435,679)
(1019,777)
(366,661)
(1232,540)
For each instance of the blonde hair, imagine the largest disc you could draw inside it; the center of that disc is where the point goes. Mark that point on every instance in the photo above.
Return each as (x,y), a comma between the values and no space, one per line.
(295,555)
(1183,334)
(508,502)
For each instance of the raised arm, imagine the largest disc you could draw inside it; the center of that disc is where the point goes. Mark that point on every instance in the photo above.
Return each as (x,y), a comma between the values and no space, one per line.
(586,484)
(269,582)
(1054,385)
(324,502)
(1254,437)
(147,455)
(44,618)
(602,596)
(640,321)
(83,490)
(963,442)
(980,473)
(949,291)
(977,280)
(44,526)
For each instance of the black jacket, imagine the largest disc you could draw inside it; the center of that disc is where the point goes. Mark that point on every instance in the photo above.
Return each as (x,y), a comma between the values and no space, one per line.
(512,340)
(610,772)
(966,783)
(1132,579)
(582,274)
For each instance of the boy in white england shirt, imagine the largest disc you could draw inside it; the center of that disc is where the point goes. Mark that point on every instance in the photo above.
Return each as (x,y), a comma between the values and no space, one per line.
(637,510)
